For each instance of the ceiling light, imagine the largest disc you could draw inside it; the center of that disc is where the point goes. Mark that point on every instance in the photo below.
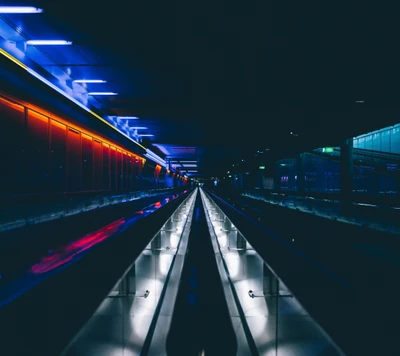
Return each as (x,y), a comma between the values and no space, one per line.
(189,165)
(89,81)
(48,42)
(19,10)
(51,85)
(138,128)
(146,135)
(126,117)
(102,93)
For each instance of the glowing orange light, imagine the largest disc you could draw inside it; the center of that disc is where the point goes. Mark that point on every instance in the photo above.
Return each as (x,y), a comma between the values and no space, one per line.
(61,126)
(87,136)
(38,116)
(45,115)
(12,104)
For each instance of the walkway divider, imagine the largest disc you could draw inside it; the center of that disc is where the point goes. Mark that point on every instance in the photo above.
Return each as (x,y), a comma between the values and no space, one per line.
(272,319)
(127,321)
(245,341)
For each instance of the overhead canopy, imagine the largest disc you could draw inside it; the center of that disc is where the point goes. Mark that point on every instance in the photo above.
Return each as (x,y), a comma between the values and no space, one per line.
(220,79)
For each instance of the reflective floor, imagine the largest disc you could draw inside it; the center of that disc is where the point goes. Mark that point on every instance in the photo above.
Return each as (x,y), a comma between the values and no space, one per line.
(279,325)
(275,321)
(120,325)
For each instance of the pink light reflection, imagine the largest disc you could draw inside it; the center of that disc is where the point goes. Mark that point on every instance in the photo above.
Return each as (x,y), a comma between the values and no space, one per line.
(69,252)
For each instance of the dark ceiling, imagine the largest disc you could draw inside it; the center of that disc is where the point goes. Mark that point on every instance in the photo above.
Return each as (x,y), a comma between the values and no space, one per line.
(230,77)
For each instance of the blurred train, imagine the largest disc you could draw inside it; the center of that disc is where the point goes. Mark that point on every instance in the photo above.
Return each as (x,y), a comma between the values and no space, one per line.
(45,153)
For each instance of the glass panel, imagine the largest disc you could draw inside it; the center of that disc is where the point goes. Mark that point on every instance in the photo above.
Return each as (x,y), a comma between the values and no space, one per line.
(126,171)
(58,150)
(113,163)
(13,144)
(106,167)
(274,316)
(98,165)
(385,140)
(121,323)
(395,140)
(38,131)
(87,163)
(74,160)
(120,172)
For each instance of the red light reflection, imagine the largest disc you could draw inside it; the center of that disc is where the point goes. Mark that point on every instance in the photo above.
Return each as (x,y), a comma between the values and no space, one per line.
(67,253)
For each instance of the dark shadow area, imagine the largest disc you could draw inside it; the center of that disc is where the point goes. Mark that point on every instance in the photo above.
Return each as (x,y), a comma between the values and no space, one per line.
(201,320)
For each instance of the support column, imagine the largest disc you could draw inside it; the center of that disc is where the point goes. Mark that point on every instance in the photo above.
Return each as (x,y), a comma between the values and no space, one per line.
(301,171)
(346,169)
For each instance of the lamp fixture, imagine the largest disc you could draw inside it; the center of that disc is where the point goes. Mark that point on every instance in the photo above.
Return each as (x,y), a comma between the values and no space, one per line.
(102,93)
(90,81)
(47,42)
(20,10)
(51,85)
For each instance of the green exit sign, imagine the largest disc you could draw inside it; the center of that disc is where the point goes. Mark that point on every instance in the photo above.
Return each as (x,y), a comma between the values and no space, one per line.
(262,167)
(327,149)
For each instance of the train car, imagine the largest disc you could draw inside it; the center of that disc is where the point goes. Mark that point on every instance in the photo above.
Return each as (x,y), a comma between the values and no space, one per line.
(43,153)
